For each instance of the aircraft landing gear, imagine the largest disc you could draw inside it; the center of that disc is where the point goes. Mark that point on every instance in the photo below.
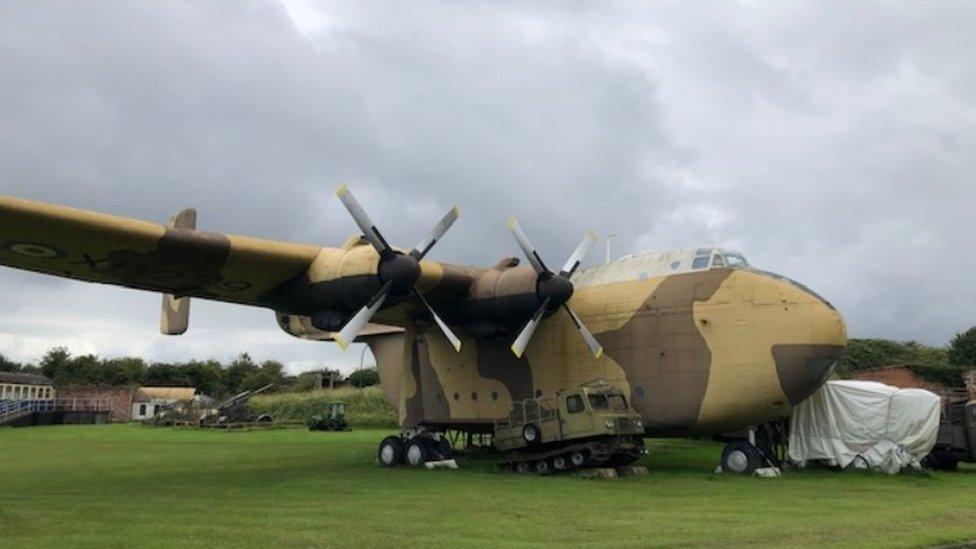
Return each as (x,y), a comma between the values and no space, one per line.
(740,457)
(414,447)
(743,457)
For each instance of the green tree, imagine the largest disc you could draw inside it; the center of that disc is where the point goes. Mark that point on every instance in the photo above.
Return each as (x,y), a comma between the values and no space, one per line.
(55,364)
(9,365)
(962,350)
(237,371)
(270,372)
(366,377)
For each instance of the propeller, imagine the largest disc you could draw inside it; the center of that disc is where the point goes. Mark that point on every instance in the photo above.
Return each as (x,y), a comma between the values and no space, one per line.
(553,289)
(398,272)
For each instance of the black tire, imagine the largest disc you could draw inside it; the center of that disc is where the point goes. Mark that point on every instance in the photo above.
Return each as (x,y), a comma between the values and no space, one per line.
(740,457)
(542,467)
(561,463)
(577,458)
(390,452)
(522,467)
(531,434)
(417,452)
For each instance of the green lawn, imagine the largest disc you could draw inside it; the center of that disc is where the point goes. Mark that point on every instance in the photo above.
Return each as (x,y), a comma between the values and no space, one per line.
(127,485)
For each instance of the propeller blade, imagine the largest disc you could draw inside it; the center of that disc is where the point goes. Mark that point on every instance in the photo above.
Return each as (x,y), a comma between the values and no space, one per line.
(428,242)
(591,341)
(357,322)
(366,225)
(527,248)
(574,260)
(522,341)
(455,341)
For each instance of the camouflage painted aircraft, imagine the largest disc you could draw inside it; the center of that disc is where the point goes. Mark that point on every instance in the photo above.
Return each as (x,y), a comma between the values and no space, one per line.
(702,343)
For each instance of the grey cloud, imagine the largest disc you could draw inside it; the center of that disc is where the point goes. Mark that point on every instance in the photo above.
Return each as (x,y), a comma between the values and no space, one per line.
(828,141)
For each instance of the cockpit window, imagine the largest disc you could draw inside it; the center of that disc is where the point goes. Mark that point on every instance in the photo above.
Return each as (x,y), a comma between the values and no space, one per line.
(700,262)
(618,403)
(718,261)
(735,260)
(599,402)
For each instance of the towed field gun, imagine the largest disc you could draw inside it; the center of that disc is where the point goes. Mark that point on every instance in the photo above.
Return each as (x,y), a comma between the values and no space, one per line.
(235,410)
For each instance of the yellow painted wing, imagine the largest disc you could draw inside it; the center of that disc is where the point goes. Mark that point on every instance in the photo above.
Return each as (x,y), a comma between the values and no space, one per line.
(115,250)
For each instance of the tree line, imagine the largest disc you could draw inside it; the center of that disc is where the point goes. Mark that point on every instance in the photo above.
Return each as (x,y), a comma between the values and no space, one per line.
(210,377)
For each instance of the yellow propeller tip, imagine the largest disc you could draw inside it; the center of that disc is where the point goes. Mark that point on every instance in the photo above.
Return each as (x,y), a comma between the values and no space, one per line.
(516,352)
(457,211)
(599,353)
(511,223)
(342,190)
(343,344)
(457,347)
(591,235)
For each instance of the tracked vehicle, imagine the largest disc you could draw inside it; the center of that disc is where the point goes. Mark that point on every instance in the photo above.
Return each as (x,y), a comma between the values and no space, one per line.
(592,426)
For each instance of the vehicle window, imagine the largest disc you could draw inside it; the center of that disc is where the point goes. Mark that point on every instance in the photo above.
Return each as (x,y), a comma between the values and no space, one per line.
(574,404)
(675,265)
(718,261)
(700,262)
(599,402)
(736,260)
(618,403)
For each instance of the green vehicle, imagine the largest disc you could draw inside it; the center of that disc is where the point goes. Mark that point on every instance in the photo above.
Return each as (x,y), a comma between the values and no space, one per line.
(332,419)
(592,426)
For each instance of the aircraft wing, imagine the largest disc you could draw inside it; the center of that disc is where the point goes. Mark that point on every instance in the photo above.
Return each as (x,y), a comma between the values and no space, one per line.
(115,250)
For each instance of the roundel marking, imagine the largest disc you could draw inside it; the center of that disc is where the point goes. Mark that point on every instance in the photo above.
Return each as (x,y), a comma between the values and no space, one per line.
(30,249)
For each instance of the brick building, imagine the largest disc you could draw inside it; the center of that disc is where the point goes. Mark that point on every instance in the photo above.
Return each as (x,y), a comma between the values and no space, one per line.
(899,376)
(121,397)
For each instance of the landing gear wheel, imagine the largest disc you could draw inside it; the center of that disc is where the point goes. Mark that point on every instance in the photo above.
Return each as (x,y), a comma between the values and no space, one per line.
(530,433)
(577,458)
(542,467)
(417,452)
(560,463)
(390,452)
(740,457)
(522,467)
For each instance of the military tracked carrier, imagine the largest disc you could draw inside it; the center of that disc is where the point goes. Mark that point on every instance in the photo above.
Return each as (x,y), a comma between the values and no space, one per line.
(592,426)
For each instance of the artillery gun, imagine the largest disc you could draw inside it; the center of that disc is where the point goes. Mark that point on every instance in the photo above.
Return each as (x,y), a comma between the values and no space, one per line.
(592,426)
(235,411)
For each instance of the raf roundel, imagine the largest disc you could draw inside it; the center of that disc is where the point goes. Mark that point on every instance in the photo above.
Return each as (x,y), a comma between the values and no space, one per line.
(30,249)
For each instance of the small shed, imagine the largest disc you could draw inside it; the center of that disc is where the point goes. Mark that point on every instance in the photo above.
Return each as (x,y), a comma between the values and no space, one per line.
(148,401)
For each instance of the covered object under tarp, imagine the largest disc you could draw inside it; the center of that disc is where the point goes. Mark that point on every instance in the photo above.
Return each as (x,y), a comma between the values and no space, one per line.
(887,427)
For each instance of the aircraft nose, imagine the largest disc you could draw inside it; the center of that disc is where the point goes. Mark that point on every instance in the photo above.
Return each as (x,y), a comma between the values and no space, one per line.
(805,360)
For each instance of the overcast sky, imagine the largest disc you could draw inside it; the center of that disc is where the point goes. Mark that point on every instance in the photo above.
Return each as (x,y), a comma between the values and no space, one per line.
(830,142)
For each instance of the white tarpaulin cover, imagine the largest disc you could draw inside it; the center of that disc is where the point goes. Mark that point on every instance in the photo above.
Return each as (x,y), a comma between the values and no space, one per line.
(889,428)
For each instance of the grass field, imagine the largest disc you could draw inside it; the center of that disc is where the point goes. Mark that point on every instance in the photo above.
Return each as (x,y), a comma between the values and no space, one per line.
(126,485)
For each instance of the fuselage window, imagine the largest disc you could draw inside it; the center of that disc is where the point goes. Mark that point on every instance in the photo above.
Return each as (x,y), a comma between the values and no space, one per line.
(675,265)
(574,404)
